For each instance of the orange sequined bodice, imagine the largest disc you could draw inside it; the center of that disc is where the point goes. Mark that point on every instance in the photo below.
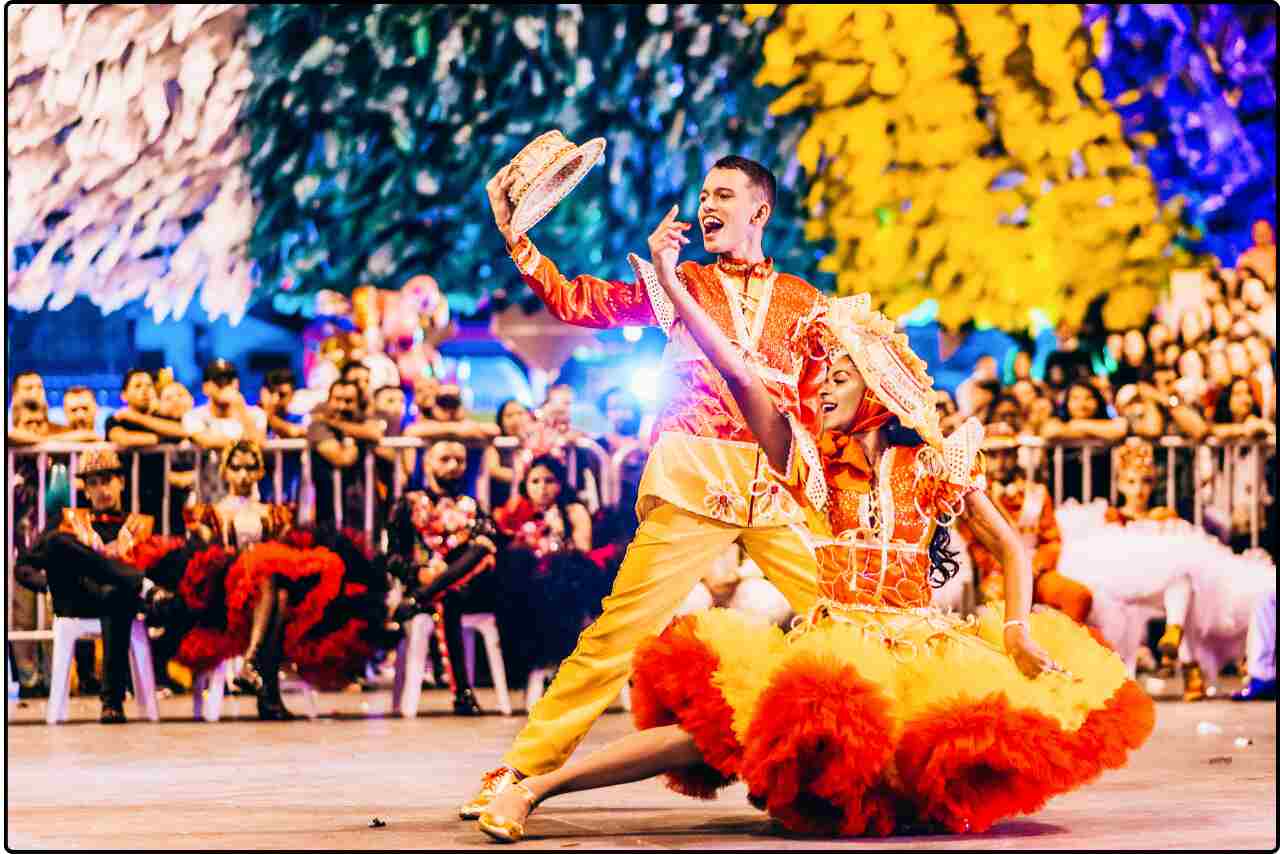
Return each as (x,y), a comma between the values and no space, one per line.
(863,566)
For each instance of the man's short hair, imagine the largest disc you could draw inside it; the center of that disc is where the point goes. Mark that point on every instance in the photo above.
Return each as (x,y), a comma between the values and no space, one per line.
(77,389)
(343,381)
(351,365)
(380,389)
(441,445)
(20,374)
(220,371)
(281,376)
(130,374)
(757,174)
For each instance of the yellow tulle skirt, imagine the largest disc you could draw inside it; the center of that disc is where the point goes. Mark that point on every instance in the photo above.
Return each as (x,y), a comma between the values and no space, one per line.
(864,722)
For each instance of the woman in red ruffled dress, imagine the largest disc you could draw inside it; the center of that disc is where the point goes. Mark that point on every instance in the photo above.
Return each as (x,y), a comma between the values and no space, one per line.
(248,583)
(876,713)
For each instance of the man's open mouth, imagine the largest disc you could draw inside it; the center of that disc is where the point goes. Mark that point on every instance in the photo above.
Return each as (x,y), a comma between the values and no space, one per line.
(711,224)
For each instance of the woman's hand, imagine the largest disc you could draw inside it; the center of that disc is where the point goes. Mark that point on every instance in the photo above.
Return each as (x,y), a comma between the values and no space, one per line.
(667,239)
(1026,653)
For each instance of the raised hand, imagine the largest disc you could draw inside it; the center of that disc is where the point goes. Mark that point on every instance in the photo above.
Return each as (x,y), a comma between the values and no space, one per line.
(667,239)
(499,189)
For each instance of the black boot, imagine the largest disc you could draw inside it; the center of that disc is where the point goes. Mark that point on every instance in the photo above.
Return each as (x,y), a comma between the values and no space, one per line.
(464,704)
(112,713)
(267,662)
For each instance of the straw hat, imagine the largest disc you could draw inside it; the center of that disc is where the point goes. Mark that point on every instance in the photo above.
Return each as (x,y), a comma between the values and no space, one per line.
(99,462)
(886,362)
(546,170)
(899,379)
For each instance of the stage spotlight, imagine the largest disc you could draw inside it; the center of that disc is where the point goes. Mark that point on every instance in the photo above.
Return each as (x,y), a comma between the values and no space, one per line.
(646,383)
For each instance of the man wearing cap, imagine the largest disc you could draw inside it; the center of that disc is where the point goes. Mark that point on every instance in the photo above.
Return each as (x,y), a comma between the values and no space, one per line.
(224,420)
(83,561)
(1029,508)
(698,494)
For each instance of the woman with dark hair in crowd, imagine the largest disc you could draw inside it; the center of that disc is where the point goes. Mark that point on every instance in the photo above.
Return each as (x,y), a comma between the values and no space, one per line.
(1230,500)
(1238,412)
(513,419)
(247,583)
(549,564)
(1136,360)
(1083,415)
(877,712)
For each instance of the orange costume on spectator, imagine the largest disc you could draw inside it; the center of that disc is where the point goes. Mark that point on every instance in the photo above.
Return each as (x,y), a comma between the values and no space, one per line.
(1029,509)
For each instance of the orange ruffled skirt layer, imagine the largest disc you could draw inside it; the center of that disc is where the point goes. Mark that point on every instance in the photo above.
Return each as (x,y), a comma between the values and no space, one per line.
(326,651)
(875,722)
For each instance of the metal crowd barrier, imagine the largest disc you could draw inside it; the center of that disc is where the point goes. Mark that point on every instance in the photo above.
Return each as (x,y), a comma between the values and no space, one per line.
(1224,455)
(275,451)
(1232,465)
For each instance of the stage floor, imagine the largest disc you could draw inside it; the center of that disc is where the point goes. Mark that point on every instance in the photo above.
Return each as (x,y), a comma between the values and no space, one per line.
(241,784)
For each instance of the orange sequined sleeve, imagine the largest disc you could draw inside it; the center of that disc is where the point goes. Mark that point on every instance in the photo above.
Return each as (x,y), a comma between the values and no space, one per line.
(584,300)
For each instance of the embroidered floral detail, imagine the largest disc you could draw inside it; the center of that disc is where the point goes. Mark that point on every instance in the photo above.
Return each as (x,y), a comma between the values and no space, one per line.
(770,497)
(722,500)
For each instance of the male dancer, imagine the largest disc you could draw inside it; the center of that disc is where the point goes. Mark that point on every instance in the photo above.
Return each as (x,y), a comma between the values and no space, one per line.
(705,485)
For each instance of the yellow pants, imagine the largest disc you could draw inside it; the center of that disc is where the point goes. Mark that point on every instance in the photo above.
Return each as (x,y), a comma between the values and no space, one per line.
(671,551)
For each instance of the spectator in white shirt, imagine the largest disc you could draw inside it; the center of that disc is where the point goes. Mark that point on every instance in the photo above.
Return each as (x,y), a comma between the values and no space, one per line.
(225,419)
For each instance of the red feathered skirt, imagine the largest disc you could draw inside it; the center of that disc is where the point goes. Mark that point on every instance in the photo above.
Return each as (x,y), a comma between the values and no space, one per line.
(221,588)
(872,722)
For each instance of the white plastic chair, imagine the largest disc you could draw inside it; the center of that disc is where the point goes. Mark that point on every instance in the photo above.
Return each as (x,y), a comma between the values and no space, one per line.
(207,692)
(486,625)
(536,685)
(68,630)
(209,689)
(411,660)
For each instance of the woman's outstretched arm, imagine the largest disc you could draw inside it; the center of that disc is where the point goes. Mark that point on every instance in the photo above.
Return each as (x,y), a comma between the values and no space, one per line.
(994,531)
(769,425)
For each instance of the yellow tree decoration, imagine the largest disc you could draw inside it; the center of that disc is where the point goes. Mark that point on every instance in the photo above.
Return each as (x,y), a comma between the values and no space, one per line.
(966,153)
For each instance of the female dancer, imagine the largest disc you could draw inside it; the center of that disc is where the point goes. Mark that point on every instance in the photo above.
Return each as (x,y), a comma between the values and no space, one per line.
(877,712)
(248,583)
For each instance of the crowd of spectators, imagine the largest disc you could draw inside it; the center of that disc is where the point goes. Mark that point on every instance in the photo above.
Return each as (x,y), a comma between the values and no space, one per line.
(1204,366)
(341,434)
(1208,370)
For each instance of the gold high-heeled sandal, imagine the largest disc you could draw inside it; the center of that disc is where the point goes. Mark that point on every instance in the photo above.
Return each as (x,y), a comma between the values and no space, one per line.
(505,829)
